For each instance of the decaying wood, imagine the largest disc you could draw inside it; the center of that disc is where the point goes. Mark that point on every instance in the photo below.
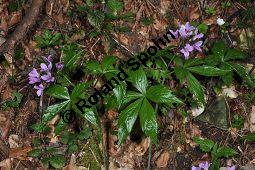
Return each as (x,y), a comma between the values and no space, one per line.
(7,49)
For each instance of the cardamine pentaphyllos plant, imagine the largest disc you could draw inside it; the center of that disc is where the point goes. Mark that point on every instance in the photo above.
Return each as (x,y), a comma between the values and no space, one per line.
(43,76)
(190,36)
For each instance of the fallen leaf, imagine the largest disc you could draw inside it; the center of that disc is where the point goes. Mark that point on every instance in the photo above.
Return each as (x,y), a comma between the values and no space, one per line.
(20,153)
(142,147)
(252,119)
(162,160)
(14,141)
(6,164)
(229,92)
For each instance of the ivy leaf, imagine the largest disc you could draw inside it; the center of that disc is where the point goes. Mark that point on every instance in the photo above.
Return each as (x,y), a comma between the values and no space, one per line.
(139,80)
(233,54)
(205,145)
(195,88)
(161,94)
(53,110)
(57,161)
(148,120)
(127,119)
(115,5)
(208,70)
(60,127)
(225,152)
(58,92)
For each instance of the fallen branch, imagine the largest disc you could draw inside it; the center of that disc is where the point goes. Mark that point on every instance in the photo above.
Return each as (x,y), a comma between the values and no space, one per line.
(7,48)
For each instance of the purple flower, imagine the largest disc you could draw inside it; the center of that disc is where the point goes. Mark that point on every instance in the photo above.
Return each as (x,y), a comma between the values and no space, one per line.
(231,167)
(48,77)
(175,33)
(49,67)
(186,30)
(197,45)
(59,66)
(198,36)
(186,50)
(39,89)
(204,165)
(34,77)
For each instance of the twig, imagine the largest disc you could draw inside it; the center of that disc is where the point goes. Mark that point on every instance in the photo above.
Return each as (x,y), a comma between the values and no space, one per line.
(93,155)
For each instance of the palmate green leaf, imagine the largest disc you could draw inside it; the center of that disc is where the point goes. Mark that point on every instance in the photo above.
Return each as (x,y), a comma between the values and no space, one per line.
(90,116)
(127,119)
(131,95)
(78,90)
(193,62)
(225,152)
(35,153)
(58,92)
(108,61)
(60,127)
(227,78)
(148,120)
(53,110)
(115,5)
(57,161)
(161,94)
(195,88)
(94,66)
(208,70)
(205,145)
(139,80)
(120,92)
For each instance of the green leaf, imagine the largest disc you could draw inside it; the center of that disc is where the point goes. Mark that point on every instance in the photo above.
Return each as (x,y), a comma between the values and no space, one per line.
(60,127)
(35,153)
(120,92)
(40,128)
(63,80)
(115,5)
(139,80)
(225,152)
(127,119)
(108,61)
(215,165)
(85,134)
(205,145)
(233,54)
(94,66)
(58,92)
(161,94)
(78,90)
(96,18)
(57,161)
(228,78)
(56,39)
(71,54)
(250,137)
(208,70)
(219,49)
(53,110)
(195,88)
(148,120)
(90,116)
(180,73)
(131,95)
(73,148)
(202,28)
(193,62)
(241,71)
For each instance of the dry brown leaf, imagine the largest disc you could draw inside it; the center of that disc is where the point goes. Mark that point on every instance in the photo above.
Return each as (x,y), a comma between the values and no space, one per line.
(20,153)
(14,141)
(162,160)
(6,164)
(194,14)
(16,17)
(252,119)
(142,147)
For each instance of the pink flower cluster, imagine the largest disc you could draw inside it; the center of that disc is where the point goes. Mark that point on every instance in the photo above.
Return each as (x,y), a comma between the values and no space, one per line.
(190,35)
(44,76)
